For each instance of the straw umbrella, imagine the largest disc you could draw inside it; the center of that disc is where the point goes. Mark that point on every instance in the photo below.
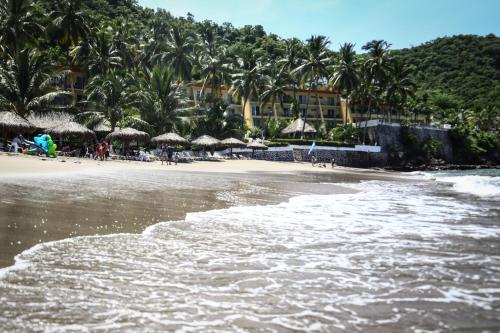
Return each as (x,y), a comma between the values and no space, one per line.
(127,134)
(170,138)
(11,122)
(49,119)
(206,141)
(296,127)
(232,143)
(254,145)
(70,128)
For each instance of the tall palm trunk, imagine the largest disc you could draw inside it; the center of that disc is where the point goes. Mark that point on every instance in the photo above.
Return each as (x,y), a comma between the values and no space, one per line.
(275,112)
(320,107)
(305,113)
(368,112)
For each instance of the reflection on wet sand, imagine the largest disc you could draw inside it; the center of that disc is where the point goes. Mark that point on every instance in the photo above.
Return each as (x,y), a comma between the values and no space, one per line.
(40,209)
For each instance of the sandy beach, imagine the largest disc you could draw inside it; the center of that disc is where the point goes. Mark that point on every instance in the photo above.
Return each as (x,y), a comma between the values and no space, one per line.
(17,165)
(43,199)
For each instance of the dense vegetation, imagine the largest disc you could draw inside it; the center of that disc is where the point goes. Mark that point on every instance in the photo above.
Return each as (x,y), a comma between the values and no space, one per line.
(138,61)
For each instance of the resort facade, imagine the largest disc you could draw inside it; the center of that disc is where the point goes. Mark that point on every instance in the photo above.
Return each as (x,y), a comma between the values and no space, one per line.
(320,103)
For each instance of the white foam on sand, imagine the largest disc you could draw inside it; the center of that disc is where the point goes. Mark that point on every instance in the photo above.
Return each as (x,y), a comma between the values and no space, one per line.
(391,256)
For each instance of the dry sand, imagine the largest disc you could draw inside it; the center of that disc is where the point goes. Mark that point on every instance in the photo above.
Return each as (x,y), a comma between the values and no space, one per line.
(25,165)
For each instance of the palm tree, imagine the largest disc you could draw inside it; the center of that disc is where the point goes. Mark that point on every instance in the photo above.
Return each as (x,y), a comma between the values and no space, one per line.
(400,86)
(17,25)
(125,43)
(377,66)
(213,64)
(69,25)
(112,94)
(26,84)
(159,93)
(293,54)
(100,56)
(274,89)
(314,67)
(345,76)
(176,51)
(248,80)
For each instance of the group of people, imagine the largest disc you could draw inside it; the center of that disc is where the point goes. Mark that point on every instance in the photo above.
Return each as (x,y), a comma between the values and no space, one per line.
(314,161)
(168,156)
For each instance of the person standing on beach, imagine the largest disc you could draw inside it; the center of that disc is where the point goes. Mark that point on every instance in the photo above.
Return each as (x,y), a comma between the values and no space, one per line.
(170,152)
(163,155)
(105,150)
(98,152)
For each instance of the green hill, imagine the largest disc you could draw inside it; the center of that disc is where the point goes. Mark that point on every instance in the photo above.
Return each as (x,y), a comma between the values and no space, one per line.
(465,66)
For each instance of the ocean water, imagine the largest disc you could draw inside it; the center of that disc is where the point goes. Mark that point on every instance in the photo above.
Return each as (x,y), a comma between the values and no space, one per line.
(396,256)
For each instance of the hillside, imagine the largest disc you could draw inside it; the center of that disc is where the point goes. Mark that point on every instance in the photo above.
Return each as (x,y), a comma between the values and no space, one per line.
(466,66)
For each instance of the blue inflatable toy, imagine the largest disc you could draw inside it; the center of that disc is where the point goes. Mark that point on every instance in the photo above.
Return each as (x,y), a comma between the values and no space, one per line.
(45,144)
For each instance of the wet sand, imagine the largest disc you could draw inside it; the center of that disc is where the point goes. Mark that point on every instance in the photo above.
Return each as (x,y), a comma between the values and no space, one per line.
(45,199)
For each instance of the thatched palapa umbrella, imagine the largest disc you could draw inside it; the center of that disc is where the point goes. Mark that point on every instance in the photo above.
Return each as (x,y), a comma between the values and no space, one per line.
(296,127)
(127,134)
(13,123)
(170,138)
(9,121)
(254,145)
(49,119)
(232,143)
(205,141)
(70,128)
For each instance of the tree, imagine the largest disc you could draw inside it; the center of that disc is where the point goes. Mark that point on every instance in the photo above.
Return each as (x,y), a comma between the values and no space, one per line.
(376,68)
(214,67)
(248,80)
(112,94)
(17,25)
(26,84)
(314,67)
(293,54)
(345,76)
(176,51)
(68,25)
(399,86)
(159,93)
(100,57)
(274,89)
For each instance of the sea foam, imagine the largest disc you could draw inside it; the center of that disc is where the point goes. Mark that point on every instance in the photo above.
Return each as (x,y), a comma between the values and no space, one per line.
(394,256)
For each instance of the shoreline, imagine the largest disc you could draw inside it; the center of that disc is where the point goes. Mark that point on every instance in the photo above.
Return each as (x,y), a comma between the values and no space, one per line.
(44,200)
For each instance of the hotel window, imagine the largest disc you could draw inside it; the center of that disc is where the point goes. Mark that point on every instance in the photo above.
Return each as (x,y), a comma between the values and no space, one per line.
(286,112)
(331,101)
(331,113)
(255,110)
(303,112)
(256,122)
(302,99)
(198,95)
(229,99)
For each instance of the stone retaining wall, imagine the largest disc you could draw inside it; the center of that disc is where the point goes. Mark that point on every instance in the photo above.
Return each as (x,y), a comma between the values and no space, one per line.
(359,159)
(388,136)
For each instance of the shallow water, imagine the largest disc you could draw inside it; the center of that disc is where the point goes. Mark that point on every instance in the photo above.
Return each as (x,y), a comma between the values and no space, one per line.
(394,257)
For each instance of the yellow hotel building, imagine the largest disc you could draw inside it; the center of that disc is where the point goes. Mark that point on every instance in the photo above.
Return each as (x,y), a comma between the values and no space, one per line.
(328,101)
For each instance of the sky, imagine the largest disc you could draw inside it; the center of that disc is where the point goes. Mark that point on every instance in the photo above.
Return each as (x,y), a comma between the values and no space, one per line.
(403,23)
